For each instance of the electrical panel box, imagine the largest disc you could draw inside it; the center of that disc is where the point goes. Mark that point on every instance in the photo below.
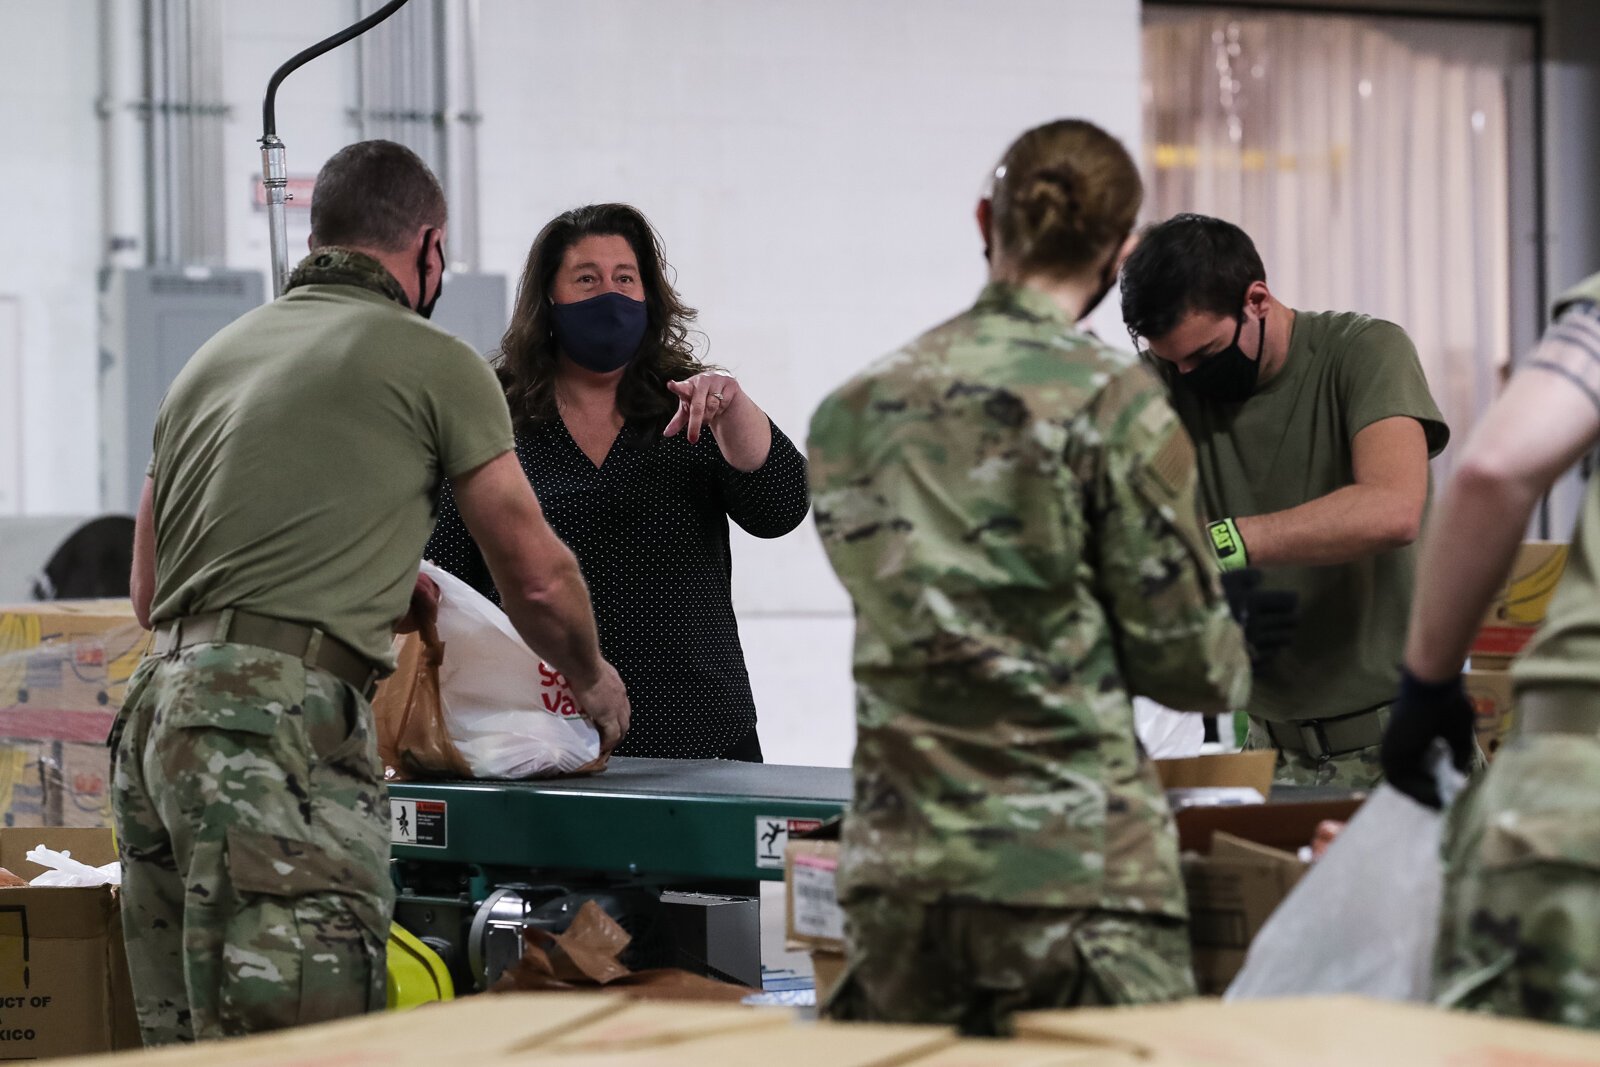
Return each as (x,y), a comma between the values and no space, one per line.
(152,320)
(473,307)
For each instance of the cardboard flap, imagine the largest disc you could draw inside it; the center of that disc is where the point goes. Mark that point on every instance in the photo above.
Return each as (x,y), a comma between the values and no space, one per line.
(60,913)
(1249,770)
(655,1025)
(1225,846)
(1282,826)
(1320,1032)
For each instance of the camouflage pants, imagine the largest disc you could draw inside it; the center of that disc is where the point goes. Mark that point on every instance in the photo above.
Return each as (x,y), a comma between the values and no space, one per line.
(1520,930)
(972,965)
(253,826)
(1360,769)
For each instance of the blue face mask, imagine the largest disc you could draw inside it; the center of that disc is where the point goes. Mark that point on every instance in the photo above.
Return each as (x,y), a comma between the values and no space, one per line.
(601,334)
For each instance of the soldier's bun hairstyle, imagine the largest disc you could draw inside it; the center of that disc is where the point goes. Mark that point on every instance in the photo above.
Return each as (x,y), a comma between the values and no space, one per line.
(1064,193)
(374,194)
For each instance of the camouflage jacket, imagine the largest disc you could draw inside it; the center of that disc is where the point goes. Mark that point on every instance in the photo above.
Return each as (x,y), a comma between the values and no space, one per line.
(1011,506)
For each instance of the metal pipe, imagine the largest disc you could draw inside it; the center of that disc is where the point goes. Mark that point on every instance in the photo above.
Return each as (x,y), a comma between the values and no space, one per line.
(210,206)
(461,110)
(183,123)
(155,136)
(438,109)
(174,157)
(274,168)
(124,112)
(361,62)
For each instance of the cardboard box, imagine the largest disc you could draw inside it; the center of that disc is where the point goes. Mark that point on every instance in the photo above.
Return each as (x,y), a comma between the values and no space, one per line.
(1238,865)
(569,1029)
(604,1030)
(827,967)
(811,863)
(812,915)
(64,986)
(1519,608)
(55,783)
(1490,693)
(1251,770)
(1314,1032)
(1031,1052)
(64,670)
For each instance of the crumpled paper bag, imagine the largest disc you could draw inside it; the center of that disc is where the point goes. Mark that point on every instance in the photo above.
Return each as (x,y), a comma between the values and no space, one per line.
(585,957)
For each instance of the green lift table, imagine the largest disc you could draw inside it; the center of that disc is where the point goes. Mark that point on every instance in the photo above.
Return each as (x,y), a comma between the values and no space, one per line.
(468,855)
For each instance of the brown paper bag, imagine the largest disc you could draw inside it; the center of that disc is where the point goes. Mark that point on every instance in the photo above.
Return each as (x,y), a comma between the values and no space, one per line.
(586,956)
(413,741)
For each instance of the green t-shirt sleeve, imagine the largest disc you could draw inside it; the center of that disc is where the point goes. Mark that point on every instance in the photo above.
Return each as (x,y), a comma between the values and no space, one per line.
(1380,377)
(471,423)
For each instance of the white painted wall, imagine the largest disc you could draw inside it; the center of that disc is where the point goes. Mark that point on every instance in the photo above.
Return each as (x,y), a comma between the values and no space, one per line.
(49,186)
(812,166)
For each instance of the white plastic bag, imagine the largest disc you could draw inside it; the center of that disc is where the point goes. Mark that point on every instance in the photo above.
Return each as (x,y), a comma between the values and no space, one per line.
(66,871)
(509,713)
(1168,734)
(1365,918)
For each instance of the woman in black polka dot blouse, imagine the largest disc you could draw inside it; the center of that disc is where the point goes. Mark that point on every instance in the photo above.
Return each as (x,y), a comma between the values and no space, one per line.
(639,456)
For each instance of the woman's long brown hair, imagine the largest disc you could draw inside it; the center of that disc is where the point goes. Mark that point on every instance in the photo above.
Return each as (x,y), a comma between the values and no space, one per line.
(528,352)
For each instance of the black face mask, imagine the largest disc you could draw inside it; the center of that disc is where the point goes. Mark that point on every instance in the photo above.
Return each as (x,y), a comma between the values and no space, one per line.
(603,333)
(1228,376)
(425,307)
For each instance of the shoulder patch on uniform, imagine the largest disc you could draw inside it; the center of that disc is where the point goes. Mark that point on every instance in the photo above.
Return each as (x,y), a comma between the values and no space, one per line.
(1173,463)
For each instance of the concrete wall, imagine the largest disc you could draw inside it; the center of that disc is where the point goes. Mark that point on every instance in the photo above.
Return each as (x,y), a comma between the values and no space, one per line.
(50,186)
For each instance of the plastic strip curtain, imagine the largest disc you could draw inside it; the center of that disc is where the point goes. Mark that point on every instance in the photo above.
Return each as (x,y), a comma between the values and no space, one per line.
(1368,158)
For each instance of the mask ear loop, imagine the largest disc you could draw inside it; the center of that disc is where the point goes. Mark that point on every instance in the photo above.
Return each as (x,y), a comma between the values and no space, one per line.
(429,240)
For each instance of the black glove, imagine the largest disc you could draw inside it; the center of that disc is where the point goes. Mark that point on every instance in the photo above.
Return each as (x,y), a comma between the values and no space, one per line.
(1422,712)
(1269,616)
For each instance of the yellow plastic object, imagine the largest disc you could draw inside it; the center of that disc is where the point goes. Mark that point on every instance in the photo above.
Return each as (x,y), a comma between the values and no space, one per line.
(416,973)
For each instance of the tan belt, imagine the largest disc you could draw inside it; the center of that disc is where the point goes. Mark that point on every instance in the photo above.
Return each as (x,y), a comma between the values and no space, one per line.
(1322,739)
(1562,710)
(307,643)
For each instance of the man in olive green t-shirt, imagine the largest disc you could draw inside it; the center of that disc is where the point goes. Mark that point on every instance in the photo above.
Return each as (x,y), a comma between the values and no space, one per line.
(298,457)
(1313,432)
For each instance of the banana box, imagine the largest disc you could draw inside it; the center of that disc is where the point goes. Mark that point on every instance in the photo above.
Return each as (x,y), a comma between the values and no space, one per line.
(64,668)
(1519,608)
(1490,693)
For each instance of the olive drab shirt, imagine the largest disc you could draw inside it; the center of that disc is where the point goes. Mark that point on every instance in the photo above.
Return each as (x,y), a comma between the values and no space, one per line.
(1566,650)
(299,453)
(1290,443)
(1010,505)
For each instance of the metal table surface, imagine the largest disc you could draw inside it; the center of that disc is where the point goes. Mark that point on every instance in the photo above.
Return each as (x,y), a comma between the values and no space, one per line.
(646,818)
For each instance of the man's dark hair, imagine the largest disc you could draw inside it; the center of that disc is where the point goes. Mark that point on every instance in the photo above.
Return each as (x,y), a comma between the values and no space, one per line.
(1188,263)
(374,194)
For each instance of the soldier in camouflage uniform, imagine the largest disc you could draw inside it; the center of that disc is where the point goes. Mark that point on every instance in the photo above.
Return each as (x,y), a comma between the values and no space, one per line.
(1520,929)
(1313,431)
(297,460)
(1010,505)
